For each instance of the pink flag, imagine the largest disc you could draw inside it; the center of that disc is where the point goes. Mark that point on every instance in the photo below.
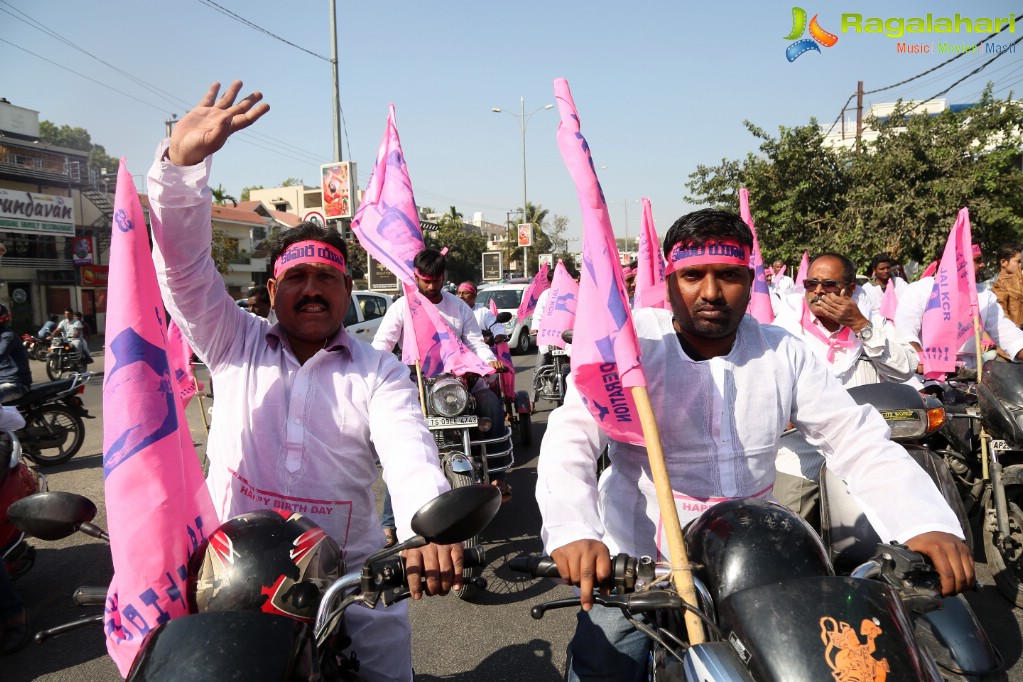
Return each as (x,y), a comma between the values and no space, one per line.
(503,353)
(532,293)
(929,270)
(650,291)
(889,302)
(948,315)
(559,314)
(387,222)
(439,349)
(804,267)
(179,354)
(781,271)
(605,350)
(760,298)
(158,508)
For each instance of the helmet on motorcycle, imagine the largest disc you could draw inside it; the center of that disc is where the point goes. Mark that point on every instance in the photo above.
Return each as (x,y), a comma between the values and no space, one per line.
(5,315)
(272,561)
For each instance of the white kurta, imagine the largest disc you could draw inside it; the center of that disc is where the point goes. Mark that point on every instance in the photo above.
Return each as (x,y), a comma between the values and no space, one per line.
(455,312)
(301,437)
(720,420)
(875,293)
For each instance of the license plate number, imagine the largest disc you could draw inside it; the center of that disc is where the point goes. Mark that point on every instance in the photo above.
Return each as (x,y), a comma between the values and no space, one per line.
(443,422)
(558,353)
(999,445)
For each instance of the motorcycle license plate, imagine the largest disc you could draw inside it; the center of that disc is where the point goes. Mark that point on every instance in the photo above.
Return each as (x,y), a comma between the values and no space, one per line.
(556,353)
(443,422)
(1000,445)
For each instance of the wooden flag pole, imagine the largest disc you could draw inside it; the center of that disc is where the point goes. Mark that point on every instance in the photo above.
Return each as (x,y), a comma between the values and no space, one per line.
(422,393)
(681,571)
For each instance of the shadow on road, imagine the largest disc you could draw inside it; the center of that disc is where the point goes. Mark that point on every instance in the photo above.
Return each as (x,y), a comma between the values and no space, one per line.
(508,663)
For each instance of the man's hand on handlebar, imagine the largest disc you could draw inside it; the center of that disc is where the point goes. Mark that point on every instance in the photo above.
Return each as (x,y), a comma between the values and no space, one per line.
(951,559)
(585,564)
(440,564)
(499,366)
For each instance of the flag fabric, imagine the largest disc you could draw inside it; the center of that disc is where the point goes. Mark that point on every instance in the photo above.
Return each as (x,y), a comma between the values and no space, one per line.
(889,302)
(503,353)
(438,349)
(804,267)
(387,222)
(929,270)
(605,350)
(559,313)
(532,294)
(781,272)
(760,297)
(948,315)
(158,507)
(650,291)
(179,354)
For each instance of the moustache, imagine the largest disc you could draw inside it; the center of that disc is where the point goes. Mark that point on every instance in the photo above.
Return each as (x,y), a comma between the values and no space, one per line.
(311,299)
(816,299)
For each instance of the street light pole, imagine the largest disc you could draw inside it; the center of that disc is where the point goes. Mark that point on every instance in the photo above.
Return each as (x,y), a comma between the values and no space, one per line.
(523,119)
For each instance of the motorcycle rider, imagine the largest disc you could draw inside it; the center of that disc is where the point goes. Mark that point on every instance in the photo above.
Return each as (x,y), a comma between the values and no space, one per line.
(882,270)
(722,387)
(857,345)
(1008,288)
(306,410)
(46,331)
(259,301)
(71,328)
(15,373)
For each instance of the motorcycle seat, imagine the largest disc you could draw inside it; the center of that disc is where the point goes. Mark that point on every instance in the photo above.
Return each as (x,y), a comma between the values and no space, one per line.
(41,391)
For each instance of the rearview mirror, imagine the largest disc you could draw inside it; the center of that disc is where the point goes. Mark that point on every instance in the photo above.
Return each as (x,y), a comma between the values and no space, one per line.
(51,516)
(457,515)
(504,317)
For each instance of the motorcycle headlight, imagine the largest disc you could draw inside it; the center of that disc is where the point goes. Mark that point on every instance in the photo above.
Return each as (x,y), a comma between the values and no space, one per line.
(913,423)
(448,397)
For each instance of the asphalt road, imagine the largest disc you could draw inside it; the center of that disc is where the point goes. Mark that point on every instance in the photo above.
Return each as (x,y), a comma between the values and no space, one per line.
(490,638)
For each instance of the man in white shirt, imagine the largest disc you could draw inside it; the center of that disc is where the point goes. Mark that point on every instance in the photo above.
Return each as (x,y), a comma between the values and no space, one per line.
(72,331)
(485,318)
(722,388)
(781,283)
(304,410)
(857,345)
(881,276)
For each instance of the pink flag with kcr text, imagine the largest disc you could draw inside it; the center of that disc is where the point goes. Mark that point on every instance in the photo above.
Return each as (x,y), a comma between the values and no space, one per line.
(387,222)
(532,294)
(760,297)
(158,507)
(948,315)
(559,313)
(438,349)
(650,291)
(605,350)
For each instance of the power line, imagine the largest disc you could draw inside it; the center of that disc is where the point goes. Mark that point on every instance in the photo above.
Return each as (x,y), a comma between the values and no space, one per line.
(243,20)
(972,73)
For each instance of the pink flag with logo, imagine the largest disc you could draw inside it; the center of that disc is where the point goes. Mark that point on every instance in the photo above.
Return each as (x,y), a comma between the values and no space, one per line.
(804,267)
(760,297)
(158,507)
(650,291)
(559,313)
(889,302)
(387,222)
(438,349)
(532,293)
(179,354)
(503,353)
(948,315)
(605,350)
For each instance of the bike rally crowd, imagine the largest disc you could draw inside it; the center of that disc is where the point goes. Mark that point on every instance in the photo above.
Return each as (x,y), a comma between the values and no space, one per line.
(308,417)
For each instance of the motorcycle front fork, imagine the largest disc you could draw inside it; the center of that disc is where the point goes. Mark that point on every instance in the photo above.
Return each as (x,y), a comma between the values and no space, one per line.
(993,473)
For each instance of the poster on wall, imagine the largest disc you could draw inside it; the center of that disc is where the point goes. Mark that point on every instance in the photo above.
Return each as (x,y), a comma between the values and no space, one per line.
(338,189)
(81,250)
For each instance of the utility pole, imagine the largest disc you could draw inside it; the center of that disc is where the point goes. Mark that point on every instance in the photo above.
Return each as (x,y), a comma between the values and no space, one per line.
(337,92)
(859,113)
(169,125)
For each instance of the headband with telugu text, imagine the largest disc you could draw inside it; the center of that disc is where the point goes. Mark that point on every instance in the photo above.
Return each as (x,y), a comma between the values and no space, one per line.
(309,252)
(715,252)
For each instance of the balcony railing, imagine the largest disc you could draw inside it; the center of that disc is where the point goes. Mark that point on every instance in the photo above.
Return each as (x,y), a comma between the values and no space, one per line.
(38,263)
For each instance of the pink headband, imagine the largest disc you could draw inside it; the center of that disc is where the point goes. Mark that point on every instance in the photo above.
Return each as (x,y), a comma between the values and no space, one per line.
(976,250)
(423,277)
(309,252)
(627,271)
(717,252)
(465,286)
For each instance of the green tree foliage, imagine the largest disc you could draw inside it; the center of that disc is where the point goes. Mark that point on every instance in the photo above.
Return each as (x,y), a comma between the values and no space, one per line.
(77,138)
(357,262)
(224,248)
(291,182)
(246,190)
(900,194)
(465,244)
(221,197)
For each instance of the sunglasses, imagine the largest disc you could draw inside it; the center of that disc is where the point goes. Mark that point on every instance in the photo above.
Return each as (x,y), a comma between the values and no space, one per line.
(827,284)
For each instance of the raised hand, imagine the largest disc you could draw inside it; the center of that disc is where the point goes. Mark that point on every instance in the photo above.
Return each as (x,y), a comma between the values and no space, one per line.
(205,129)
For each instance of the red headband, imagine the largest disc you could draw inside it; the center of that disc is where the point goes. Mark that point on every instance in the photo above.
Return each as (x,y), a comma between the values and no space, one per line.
(715,252)
(423,277)
(308,252)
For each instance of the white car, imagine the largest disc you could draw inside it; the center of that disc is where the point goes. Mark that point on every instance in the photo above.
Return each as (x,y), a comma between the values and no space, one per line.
(507,298)
(365,314)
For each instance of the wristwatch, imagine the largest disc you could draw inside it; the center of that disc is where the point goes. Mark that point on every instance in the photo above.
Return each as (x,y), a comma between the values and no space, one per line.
(866,332)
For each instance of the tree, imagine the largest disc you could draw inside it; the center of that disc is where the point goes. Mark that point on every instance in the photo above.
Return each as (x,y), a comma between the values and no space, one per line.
(224,248)
(292,182)
(465,244)
(245,196)
(221,197)
(77,138)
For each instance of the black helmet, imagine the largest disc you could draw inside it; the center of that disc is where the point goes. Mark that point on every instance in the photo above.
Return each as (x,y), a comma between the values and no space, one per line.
(273,561)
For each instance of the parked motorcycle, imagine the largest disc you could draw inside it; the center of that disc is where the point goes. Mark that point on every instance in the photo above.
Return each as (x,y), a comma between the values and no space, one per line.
(237,635)
(63,358)
(17,481)
(36,348)
(54,428)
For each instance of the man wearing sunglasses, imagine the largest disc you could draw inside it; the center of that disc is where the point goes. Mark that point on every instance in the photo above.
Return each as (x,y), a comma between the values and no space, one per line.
(856,344)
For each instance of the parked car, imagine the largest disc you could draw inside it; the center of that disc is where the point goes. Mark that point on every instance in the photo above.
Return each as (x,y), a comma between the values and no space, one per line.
(507,298)
(363,316)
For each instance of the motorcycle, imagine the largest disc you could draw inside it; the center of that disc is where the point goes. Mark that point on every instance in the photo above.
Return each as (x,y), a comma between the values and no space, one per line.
(36,348)
(54,428)
(549,379)
(517,409)
(63,358)
(17,481)
(249,642)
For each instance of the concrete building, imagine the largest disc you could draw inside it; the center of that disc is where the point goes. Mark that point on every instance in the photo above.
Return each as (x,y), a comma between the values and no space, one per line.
(843,133)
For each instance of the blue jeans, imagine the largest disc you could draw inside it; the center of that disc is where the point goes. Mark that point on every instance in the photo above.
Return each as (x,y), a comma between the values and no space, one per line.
(607,647)
(387,514)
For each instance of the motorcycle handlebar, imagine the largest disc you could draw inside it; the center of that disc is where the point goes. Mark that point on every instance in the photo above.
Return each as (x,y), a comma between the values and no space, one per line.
(536,566)
(89,596)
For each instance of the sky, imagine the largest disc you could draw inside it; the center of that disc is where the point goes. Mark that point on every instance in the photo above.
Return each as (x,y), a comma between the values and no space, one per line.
(661,87)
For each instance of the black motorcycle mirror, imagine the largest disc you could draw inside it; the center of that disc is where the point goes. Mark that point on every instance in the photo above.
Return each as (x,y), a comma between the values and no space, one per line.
(995,417)
(566,336)
(55,515)
(504,317)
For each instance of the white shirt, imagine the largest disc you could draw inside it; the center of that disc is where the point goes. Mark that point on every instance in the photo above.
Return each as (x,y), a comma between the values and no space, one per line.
(486,319)
(875,293)
(456,313)
(305,437)
(781,285)
(541,305)
(909,319)
(720,420)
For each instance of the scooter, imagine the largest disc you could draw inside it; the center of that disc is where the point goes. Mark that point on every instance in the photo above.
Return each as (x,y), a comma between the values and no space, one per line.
(54,412)
(17,482)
